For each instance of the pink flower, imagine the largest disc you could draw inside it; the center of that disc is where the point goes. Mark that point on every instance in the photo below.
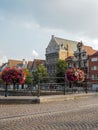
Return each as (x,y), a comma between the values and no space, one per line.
(75,74)
(12,75)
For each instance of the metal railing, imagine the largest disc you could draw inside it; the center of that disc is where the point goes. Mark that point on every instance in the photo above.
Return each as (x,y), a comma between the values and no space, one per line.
(48,88)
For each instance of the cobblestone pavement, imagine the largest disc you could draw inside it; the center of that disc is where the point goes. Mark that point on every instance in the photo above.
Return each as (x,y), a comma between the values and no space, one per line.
(80,114)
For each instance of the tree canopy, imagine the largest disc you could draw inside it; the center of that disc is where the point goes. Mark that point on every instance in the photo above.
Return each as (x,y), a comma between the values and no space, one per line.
(39,74)
(61,67)
(28,76)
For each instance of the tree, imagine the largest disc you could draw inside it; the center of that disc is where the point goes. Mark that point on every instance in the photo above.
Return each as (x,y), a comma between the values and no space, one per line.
(1,81)
(61,67)
(39,74)
(12,76)
(28,76)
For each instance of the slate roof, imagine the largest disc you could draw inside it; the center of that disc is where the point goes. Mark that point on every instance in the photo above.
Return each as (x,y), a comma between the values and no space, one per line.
(65,42)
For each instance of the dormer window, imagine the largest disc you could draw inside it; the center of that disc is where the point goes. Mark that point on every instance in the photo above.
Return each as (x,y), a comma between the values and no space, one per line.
(61,45)
(84,54)
(79,45)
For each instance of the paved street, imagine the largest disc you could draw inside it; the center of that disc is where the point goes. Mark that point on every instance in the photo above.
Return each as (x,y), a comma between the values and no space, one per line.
(80,114)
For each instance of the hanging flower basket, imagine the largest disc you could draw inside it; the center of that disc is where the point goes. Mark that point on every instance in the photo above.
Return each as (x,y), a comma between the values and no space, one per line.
(12,75)
(75,74)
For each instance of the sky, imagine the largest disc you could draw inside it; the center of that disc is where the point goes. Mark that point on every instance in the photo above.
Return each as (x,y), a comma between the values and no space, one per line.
(26,26)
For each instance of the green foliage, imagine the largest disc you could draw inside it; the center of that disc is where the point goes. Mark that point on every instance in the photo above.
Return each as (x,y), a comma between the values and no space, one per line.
(39,74)
(28,78)
(61,67)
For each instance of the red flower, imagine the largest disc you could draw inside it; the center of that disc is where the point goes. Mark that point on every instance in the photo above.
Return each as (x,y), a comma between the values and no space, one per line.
(22,81)
(75,74)
(12,75)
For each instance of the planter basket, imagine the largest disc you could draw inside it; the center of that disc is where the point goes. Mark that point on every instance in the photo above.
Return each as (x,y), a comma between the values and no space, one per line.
(75,75)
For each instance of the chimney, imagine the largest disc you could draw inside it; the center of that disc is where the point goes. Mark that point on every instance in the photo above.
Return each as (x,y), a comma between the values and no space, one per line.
(52,36)
(23,61)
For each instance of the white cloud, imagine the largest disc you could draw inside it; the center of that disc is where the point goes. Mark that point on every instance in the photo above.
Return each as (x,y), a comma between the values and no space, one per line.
(88,41)
(30,25)
(35,54)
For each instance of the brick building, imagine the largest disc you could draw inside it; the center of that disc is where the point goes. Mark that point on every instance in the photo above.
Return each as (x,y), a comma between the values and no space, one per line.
(15,63)
(93,70)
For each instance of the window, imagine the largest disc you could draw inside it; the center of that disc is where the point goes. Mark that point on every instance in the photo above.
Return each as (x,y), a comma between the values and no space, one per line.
(92,77)
(94,68)
(70,65)
(94,59)
(95,77)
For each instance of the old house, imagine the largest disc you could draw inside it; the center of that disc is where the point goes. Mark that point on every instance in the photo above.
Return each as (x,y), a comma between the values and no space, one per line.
(58,48)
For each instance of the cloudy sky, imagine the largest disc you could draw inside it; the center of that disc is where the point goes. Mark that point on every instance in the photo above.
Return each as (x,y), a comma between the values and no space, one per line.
(26,26)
